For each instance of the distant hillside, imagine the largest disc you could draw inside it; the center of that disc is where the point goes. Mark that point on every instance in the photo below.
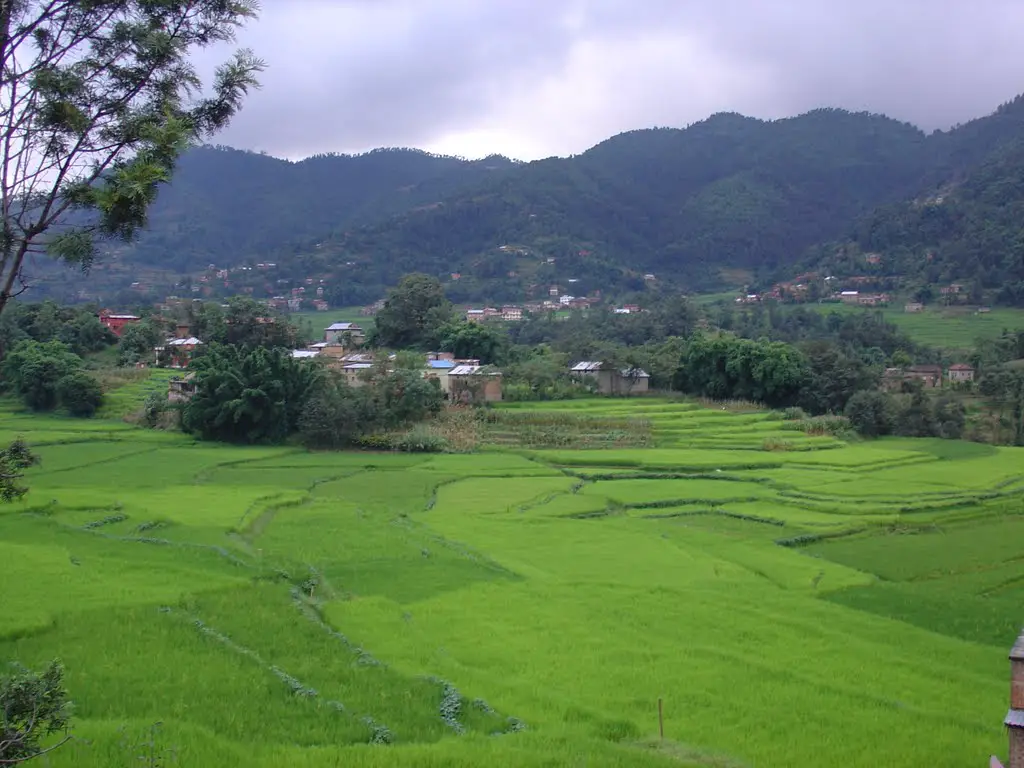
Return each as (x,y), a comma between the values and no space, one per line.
(965,225)
(726,199)
(227,207)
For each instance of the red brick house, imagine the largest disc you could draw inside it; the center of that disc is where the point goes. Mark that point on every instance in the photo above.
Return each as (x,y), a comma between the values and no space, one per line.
(117,323)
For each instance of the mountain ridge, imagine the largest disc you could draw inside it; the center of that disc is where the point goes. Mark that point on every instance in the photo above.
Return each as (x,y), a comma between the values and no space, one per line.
(726,194)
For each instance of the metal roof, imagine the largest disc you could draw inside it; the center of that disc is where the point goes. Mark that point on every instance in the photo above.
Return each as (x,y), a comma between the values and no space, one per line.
(343,327)
(440,364)
(183,342)
(471,370)
(638,373)
(304,353)
(1014,718)
(357,366)
(587,366)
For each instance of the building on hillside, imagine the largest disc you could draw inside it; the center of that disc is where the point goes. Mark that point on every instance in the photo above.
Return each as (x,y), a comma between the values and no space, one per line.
(913,306)
(849,297)
(305,354)
(474,315)
(181,390)
(177,353)
(117,323)
(438,369)
(354,374)
(472,384)
(511,314)
(960,372)
(610,380)
(345,332)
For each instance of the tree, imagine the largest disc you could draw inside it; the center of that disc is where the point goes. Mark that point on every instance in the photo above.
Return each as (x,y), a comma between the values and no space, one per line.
(33,706)
(870,413)
(97,102)
(34,368)
(413,314)
(80,393)
(475,341)
(248,395)
(13,460)
(138,342)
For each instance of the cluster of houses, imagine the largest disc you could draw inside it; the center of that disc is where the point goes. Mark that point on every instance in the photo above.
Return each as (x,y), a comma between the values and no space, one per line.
(930,376)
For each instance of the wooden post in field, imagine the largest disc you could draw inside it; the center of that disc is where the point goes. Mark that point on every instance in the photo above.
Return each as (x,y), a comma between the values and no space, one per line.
(661,720)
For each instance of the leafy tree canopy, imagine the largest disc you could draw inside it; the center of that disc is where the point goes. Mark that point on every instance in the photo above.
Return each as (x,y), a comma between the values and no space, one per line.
(97,102)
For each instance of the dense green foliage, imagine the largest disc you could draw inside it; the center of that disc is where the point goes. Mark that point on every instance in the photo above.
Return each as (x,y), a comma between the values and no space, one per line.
(247,395)
(115,100)
(78,327)
(47,374)
(391,397)
(13,461)
(413,314)
(33,707)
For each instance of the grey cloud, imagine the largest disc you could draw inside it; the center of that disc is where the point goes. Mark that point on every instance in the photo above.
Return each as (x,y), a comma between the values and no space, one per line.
(564,74)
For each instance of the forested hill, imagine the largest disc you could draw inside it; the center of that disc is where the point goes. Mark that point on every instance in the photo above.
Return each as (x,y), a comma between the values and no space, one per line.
(228,207)
(729,192)
(965,225)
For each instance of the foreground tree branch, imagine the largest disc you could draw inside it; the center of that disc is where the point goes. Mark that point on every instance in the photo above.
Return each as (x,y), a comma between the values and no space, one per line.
(98,99)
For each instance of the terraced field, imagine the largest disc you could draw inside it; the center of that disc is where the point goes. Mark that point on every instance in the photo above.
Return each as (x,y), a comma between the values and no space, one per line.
(846,604)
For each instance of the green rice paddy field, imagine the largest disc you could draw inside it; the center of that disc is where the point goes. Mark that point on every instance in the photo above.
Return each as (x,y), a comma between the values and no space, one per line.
(828,604)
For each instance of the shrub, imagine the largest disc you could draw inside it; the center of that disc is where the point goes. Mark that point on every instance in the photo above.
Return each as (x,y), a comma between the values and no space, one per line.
(795,413)
(80,393)
(420,439)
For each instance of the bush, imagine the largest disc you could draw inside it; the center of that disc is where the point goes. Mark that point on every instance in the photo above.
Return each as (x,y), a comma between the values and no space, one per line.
(34,369)
(420,439)
(795,413)
(80,393)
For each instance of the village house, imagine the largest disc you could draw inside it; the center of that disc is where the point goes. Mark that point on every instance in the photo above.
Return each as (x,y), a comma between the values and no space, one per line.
(474,315)
(178,352)
(611,381)
(117,323)
(354,373)
(471,383)
(181,390)
(960,372)
(439,365)
(511,314)
(344,332)
(849,297)
(872,299)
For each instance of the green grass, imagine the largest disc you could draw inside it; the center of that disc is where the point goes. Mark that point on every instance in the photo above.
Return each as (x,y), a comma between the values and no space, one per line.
(837,604)
(953,328)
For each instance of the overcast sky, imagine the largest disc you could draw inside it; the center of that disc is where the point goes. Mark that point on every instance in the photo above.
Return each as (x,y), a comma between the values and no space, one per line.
(534,78)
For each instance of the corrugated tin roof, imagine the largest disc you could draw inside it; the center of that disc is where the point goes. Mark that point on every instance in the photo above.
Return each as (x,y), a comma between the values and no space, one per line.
(472,370)
(440,364)
(299,353)
(587,366)
(183,342)
(357,366)
(1014,718)
(343,327)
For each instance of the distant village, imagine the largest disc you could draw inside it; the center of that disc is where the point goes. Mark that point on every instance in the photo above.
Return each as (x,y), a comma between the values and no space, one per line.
(461,380)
